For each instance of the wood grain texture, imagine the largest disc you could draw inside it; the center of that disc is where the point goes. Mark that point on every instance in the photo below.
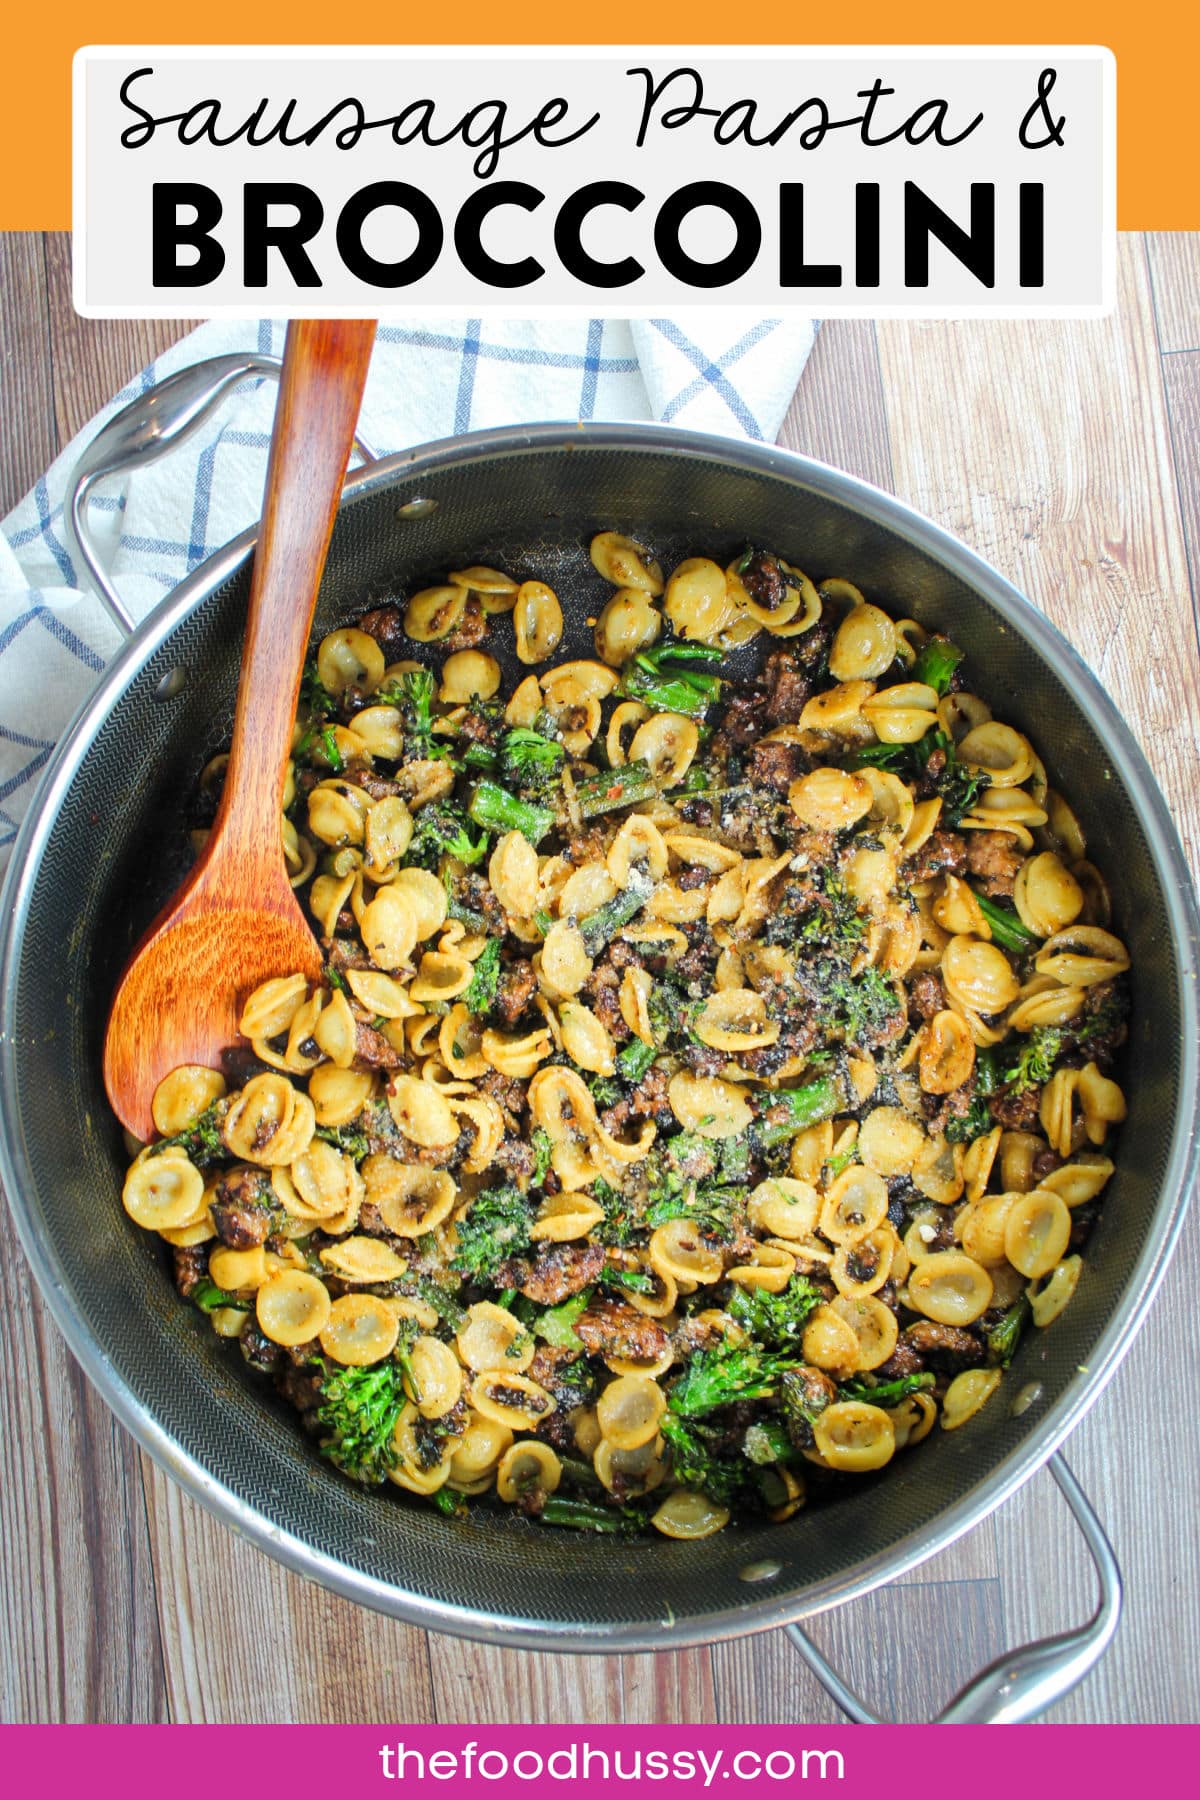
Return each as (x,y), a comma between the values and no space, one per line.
(94,358)
(1175,269)
(1075,495)
(837,415)
(957,1624)
(244,1640)
(122,1598)
(29,441)
(478,1683)
(1181,379)
(78,1619)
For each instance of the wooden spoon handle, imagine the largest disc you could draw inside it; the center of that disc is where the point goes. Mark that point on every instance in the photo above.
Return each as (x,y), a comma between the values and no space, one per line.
(320,390)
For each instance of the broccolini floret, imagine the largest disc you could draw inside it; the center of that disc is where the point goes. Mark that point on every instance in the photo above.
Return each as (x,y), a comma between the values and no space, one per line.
(958,786)
(485,978)
(357,1410)
(495,1228)
(412,694)
(732,1372)
(345,1138)
(529,761)
(776,1321)
(963,1128)
(441,830)
(315,699)
(695,1462)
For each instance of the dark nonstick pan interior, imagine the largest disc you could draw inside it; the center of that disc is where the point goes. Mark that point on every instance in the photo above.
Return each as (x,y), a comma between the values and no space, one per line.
(109,842)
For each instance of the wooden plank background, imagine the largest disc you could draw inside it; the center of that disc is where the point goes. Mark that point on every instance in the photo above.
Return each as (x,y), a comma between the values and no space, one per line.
(1069,454)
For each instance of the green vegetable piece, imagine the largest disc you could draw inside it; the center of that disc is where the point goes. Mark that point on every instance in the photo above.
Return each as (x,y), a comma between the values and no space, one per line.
(885,1393)
(201,1141)
(345,1138)
(1004,1337)
(556,1325)
(208,1297)
(485,978)
(634,1060)
(696,1462)
(356,1416)
(603,925)
(441,830)
(662,679)
(315,699)
(499,811)
(1007,929)
(767,1442)
(613,788)
(591,1515)
(495,1228)
(801,1107)
(936,662)
(718,1377)
(528,760)
(974,1123)
(424,1287)
(776,1321)
(543,1150)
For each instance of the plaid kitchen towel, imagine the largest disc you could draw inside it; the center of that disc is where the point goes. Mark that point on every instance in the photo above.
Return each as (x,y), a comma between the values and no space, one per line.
(731,372)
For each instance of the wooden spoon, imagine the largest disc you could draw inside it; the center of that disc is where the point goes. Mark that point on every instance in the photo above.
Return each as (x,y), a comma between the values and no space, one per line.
(235,921)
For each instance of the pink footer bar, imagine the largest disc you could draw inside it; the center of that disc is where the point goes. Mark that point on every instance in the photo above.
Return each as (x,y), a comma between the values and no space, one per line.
(475,1760)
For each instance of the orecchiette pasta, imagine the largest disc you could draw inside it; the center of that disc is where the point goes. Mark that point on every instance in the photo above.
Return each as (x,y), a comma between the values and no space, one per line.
(709,1078)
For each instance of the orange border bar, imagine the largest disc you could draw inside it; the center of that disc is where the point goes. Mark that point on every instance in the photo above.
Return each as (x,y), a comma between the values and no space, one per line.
(1157,185)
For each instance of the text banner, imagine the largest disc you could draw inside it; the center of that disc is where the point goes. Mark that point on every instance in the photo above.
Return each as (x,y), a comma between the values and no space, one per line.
(928,182)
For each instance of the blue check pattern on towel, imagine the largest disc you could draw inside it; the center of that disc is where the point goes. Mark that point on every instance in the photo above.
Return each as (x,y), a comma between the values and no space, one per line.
(727,372)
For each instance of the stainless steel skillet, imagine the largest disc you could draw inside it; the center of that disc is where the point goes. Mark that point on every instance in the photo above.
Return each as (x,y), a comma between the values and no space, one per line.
(100,848)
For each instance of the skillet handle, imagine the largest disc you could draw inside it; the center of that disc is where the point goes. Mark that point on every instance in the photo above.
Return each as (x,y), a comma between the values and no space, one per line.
(147,429)
(1021,1684)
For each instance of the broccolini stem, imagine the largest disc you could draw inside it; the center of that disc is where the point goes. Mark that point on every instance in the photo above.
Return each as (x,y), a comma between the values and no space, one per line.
(581,1474)
(797,1109)
(208,1297)
(587,1515)
(1007,929)
(499,811)
(603,793)
(1004,1337)
(602,925)
(885,1393)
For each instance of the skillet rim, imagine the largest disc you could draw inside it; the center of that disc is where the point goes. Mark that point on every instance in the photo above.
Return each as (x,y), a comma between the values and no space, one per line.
(1043,1436)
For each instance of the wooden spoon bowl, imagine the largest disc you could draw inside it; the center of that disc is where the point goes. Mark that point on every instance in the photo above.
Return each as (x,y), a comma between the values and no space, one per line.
(235,921)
